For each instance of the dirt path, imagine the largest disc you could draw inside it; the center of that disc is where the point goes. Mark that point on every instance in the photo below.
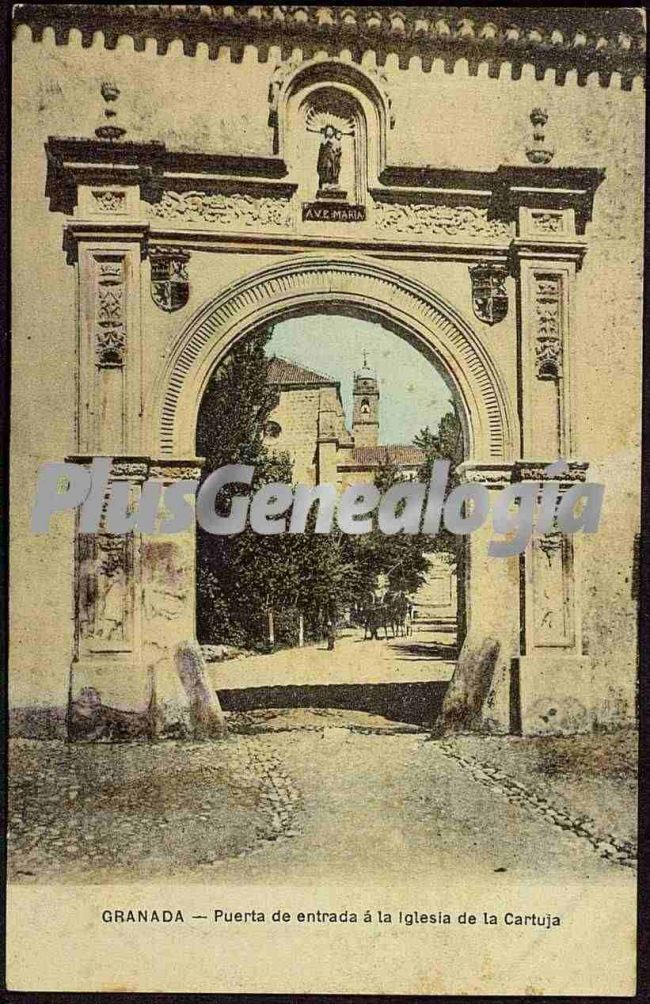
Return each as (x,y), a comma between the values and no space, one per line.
(303,805)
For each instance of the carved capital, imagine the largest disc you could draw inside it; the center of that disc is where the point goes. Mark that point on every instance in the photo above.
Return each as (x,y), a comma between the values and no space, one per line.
(123,468)
(534,470)
(490,475)
(176,470)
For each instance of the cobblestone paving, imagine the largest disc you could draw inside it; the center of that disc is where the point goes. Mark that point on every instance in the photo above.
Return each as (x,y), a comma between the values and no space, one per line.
(312,799)
(100,813)
(607,845)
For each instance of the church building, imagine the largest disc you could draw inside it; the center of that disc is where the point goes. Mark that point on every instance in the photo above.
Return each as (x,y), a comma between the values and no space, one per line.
(309,424)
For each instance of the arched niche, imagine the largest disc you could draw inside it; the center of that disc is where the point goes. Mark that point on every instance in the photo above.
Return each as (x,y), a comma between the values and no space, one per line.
(322,107)
(362,92)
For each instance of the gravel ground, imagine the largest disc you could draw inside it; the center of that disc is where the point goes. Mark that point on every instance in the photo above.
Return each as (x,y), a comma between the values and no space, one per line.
(318,796)
(314,720)
(591,779)
(102,813)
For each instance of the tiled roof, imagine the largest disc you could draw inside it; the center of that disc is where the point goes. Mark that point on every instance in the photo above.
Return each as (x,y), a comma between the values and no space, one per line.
(401,455)
(284,372)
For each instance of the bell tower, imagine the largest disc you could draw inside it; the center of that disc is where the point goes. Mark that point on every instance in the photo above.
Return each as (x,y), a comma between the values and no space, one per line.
(365,413)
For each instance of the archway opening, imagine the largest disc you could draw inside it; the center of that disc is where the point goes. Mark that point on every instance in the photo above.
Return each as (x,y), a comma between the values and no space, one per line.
(369,622)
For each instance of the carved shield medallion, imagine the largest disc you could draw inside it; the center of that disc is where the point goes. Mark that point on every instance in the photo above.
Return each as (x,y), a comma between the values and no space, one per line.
(170,284)
(489,295)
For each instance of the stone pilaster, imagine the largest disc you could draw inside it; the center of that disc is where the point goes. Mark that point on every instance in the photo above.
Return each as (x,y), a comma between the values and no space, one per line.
(134,609)
(554,677)
(521,667)
(110,693)
(479,696)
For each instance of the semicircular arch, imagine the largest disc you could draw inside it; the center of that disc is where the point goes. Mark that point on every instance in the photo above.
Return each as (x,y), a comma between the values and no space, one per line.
(348,284)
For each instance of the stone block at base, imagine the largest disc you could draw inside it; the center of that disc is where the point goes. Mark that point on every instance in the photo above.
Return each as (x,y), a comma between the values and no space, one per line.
(555,694)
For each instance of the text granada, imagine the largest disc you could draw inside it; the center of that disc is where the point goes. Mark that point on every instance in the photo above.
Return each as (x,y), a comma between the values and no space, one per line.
(143,917)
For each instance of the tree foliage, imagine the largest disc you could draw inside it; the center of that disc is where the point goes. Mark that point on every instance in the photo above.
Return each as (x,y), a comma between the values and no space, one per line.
(396,562)
(444,444)
(243,577)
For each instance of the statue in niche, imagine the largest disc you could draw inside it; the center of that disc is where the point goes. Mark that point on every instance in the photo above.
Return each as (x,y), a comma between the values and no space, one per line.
(329,158)
(332,127)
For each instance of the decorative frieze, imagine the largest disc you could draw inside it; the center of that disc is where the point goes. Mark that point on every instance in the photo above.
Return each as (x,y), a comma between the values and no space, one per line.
(129,470)
(110,327)
(448,221)
(489,474)
(236,211)
(548,342)
(173,470)
(531,470)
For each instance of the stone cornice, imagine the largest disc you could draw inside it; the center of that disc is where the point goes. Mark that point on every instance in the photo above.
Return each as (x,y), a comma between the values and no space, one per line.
(138,468)
(74,161)
(81,160)
(559,39)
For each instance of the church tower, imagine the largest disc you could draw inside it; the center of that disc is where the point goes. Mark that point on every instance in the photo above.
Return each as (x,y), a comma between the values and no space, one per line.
(365,413)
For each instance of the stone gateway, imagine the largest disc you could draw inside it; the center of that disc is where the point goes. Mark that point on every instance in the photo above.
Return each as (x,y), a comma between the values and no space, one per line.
(274,161)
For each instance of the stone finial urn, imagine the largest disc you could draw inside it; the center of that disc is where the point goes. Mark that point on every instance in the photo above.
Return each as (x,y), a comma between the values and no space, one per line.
(539,151)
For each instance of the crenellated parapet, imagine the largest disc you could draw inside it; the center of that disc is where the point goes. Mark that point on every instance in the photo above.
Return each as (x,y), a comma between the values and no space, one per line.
(587,40)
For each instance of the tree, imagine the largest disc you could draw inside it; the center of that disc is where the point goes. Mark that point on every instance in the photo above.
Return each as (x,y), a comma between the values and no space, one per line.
(238,577)
(398,559)
(244,578)
(445,444)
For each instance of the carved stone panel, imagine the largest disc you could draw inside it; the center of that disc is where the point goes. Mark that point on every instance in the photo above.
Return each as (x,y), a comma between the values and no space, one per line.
(445,221)
(110,317)
(553,622)
(232,211)
(105,602)
(548,342)
(109,201)
(547,223)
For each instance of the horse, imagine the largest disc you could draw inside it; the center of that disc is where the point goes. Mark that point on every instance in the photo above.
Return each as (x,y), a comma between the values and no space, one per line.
(399,611)
(375,616)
